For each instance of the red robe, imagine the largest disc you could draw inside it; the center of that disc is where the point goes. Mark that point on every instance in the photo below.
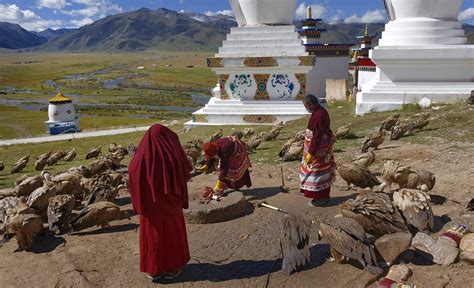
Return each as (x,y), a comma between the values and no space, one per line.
(316,178)
(234,163)
(158,175)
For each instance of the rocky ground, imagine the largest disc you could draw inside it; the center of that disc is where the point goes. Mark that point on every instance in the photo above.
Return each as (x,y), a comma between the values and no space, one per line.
(245,252)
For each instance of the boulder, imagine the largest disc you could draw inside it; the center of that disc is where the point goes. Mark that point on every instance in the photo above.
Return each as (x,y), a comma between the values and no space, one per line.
(399,273)
(230,207)
(467,256)
(390,246)
(467,243)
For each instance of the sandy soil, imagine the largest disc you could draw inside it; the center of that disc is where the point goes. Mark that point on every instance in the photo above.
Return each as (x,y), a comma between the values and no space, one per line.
(245,252)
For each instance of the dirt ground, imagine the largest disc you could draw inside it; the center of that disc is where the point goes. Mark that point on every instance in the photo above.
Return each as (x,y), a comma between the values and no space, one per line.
(245,252)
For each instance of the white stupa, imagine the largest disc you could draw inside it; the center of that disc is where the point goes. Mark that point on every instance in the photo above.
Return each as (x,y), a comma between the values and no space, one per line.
(423,53)
(261,67)
(62,115)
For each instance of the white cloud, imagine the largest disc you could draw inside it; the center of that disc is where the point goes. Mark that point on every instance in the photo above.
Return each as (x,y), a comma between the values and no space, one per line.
(336,19)
(99,8)
(374,16)
(318,10)
(53,4)
(82,22)
(26,18)
(221,12)
(467,14)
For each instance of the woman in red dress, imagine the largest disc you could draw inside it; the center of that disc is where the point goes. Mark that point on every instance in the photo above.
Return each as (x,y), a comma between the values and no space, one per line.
(234,162)
(158,176)
(317,166)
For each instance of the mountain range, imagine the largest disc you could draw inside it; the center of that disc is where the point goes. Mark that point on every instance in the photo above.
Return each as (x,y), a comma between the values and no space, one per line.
(160,29)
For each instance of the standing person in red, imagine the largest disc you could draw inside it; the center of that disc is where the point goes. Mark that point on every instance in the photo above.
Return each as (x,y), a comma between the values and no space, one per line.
(317,165)
(234,162)
(158,176)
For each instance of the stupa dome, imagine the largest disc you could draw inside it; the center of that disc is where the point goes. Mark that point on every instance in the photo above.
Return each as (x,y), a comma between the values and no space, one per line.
(263,12)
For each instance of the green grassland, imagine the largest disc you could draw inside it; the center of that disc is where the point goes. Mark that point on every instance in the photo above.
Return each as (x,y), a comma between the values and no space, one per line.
(451,123)
(167,79)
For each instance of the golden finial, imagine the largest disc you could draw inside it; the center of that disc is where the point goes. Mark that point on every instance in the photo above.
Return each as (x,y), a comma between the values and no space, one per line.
(366,33)
(310,12)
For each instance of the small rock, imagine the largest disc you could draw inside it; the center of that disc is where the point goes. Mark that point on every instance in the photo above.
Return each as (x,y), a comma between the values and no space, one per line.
(399,273)
(467,243)
(439,251)
(467,256)
(392,245)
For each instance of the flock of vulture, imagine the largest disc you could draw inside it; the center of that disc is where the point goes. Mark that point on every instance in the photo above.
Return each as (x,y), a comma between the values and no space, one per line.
(72,200)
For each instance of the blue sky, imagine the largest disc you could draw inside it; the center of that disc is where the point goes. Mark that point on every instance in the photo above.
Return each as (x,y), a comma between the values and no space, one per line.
(41,14)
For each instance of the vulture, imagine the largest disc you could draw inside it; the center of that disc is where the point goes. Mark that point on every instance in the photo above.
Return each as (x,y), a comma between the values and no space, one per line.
(113,147)
(395,172)
(59,210)
(374,140)
(41,163)
(348,240)
(67,183)
(20,179)
(293,152)
(401,128)
(298,138)
(343,131)
(415,207)
(216,136)
(44,156)
(39,199)
(11,206)
(294,239)
(375,212)
(2,167)
(24,227)
(421,122)
(25,158)
(94,153)
(19,166)
(248,132)
(131,148)
(421,180)
(99,166)
(103,193)
(253,143)
(55,157)
(356,175)
(70,155)
(389,122)
(28,185)
(81,171)
(365,159)
(270,135)
(98,214)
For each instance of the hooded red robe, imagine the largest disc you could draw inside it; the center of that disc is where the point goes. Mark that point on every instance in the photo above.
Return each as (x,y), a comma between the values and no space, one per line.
(158,176)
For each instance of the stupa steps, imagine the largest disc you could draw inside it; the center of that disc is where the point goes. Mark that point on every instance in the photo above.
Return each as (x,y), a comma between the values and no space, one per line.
(263,36)
(401,97)
(263,29)
(262,43)
(422,32)
(274,51)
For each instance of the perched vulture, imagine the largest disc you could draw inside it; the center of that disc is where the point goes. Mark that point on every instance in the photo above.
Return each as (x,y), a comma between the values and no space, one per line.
(94,153)
(59,211)
(40,164)
(70,155)
(295,242)
(401,128)
(374,140)
(421,180)
(24,158)
(56,157)
(348,240)
(415,206)
(103,193)
(293,152)
(356,175)
(216,136)
(343,131)
(395,172)
(365,159)
(248,132)
(389,122)
(375,212)
(39,199)
(421,122)
(253,143)
(98,214)
(270,135)
(28,185)
(24,227)
(19,166)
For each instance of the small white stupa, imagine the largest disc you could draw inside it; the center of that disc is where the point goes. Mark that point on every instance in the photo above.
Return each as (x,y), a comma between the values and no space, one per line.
(423,53)
(262,68)
(62,115)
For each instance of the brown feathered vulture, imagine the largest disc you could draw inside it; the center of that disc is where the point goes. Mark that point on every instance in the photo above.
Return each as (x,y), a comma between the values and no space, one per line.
(103,193)
(98,214)
(375,212)
(415,207)
(374,140)
(39,199)
(389,122)
(356,175)
(295,242)
(94,153)
(365,159)
(347,239)
(28,185)
(421,122)
(19,166)
(401,128)
(253,143)
(59,211)
(70,155)
(24,227)
(343,131)
(55,157)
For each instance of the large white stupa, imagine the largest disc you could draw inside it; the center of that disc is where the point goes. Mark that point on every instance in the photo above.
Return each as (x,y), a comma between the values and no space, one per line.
(423,53)
(261,67)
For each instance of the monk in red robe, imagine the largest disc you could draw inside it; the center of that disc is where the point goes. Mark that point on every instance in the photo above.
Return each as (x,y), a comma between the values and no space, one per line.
(317,166)
(158,176)
(234,162)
